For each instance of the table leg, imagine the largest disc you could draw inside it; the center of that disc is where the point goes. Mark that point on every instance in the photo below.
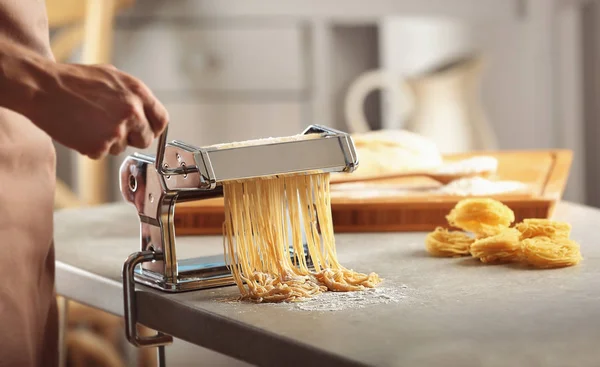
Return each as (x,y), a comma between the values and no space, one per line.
(162,362)
(63,305)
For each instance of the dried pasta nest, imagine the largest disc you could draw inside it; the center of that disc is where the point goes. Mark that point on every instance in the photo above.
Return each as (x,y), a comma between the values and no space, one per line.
(501,248)
(444,243)
(540,243)
(535,227)
(545,252)
(481,216)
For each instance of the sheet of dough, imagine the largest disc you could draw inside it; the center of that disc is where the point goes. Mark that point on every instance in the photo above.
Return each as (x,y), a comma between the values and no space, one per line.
(385,151)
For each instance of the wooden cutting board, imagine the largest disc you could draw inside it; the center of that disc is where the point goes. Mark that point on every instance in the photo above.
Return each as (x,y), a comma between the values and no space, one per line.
(414,208)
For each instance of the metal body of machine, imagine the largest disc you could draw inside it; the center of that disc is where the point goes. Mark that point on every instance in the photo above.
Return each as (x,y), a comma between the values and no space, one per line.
(182,172)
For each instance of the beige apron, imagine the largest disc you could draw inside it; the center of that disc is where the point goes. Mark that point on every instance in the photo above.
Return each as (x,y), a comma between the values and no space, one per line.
(28,315)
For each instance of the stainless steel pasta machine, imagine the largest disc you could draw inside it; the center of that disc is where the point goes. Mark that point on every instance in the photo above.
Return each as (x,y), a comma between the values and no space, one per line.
(182,172)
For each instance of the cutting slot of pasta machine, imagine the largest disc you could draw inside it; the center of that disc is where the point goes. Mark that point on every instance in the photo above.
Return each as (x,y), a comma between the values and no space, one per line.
(182,172)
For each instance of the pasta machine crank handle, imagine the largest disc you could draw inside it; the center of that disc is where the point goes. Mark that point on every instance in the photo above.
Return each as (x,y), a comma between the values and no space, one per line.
(159,161)
(130,302)
(179,148)
(160,150)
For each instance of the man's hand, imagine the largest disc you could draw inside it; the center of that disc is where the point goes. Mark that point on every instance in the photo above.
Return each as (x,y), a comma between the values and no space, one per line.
(93,109)
(97,110)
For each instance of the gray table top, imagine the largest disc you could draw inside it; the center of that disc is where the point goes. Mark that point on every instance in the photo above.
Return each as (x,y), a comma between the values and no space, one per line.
(429,312)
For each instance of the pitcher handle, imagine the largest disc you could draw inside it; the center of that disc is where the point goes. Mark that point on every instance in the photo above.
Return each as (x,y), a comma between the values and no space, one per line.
(402,98)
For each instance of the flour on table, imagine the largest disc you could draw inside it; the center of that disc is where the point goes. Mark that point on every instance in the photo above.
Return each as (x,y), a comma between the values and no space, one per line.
(478,186)
(338,301)
(359,193)
(468,186)
(469,166)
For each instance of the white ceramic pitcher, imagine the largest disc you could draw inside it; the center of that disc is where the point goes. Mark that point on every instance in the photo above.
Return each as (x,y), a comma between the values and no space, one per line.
(442,104)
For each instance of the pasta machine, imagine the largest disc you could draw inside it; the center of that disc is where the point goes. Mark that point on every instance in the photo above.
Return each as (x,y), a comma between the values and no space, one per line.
(182,172)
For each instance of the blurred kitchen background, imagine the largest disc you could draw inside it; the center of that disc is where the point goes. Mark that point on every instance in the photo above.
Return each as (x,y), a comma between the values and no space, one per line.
(469,74)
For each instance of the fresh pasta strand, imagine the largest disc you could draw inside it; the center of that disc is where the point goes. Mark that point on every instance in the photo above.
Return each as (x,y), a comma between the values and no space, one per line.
(257,240)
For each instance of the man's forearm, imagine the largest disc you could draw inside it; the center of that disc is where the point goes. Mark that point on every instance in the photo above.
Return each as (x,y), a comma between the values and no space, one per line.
(23,76)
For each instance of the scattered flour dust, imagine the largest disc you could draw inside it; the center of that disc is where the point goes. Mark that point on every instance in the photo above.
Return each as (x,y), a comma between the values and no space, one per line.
(337,301)
(470,165)
(467,186)
(480,186)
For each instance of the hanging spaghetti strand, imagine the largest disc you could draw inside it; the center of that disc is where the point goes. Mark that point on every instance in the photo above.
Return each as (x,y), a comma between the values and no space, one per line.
(263,218)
